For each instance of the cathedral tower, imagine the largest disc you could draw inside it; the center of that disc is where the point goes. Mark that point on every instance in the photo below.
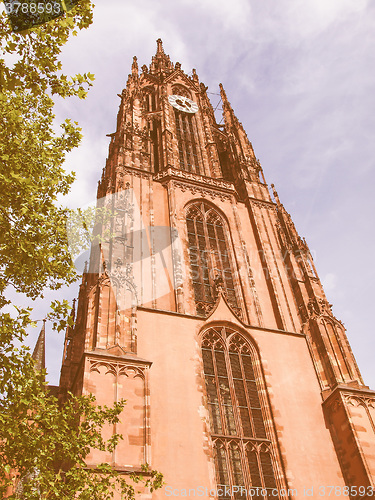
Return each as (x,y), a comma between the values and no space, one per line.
(201,306)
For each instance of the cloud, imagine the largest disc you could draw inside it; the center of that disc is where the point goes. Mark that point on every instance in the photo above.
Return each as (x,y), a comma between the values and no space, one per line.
(329,282)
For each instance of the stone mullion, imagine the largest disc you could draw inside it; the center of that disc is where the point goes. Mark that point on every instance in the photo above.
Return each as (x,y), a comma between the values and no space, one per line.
(219,255)
(201,150)
(208,250)
(236,411)
(197,143)
(247,395)
(257,447)
(245,465)
(166,150)
(229,466)
(221,405)
(200,267)
(189,142)
(181,141)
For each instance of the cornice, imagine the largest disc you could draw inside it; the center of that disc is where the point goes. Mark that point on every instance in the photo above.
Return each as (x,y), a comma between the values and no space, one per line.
(203,320)
(348,391)
(195,179)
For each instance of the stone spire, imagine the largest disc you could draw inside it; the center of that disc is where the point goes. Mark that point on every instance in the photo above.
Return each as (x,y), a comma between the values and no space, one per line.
(39,354)
(161,62)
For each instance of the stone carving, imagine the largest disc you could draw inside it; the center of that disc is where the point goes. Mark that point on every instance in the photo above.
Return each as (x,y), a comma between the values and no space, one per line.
(269,205)
(134,172)
(365,401)
(118,367)
(202,192)
(181,174)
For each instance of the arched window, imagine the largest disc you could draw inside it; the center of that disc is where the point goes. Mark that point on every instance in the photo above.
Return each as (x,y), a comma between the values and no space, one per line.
(210,258)
(149,99)
(243,450)
(187,141)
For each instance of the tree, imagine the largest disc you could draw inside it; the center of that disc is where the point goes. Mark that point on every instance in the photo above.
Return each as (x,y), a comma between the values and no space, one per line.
(41,440)
(49,443)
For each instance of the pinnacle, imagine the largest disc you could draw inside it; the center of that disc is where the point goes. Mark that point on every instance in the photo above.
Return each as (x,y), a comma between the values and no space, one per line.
(160,49)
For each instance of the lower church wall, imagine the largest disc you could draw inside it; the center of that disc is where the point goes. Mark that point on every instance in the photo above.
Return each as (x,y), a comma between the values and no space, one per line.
(179,422)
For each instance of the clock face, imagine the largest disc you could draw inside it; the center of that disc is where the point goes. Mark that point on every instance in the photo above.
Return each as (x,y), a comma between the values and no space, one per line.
(183,103)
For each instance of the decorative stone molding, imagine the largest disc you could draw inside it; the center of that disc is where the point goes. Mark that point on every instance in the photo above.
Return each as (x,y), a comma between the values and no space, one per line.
(269,205)
(196,178)
(117,368)
(366,401)
(202,192)
(134,172)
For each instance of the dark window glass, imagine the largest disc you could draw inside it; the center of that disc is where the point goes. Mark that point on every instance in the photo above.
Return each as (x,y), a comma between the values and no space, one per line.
(186,140)
(242,450)
(209,258)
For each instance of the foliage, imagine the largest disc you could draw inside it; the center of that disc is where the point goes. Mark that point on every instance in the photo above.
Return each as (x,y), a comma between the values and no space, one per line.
(49,444)
(33,246)
(41,440)
(45,443)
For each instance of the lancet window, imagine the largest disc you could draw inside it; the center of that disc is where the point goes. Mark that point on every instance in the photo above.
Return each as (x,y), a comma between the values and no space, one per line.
(187,142)
(244,458)
(149,99)
(211,258)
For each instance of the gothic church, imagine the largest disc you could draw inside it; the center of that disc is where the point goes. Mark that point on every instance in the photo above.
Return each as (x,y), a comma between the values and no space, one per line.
(203,309)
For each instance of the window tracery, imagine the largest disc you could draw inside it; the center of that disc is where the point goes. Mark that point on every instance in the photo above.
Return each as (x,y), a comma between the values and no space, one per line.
(242,450)
(187,141)
(210,258)
(149,100)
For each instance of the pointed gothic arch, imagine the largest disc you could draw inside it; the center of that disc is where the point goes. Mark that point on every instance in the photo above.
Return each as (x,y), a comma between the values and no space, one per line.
(241,432)
(211,258)
(189,150)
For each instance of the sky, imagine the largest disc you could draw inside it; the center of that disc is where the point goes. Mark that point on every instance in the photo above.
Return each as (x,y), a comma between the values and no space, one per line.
(300,75)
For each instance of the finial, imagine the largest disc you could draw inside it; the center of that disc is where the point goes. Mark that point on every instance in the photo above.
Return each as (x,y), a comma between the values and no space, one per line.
(177,65)
(276,196)
(160,49)
(135,66)
(222,93)
(144,69)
